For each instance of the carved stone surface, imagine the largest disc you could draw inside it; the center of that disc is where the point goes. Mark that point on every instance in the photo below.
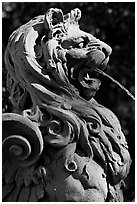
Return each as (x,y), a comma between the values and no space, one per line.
(60,144)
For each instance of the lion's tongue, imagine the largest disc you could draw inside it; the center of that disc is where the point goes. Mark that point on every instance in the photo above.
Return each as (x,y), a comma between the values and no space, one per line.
(90,89)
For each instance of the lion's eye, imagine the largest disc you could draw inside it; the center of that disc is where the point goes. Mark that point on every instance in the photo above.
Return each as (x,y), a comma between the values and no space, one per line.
(79,45)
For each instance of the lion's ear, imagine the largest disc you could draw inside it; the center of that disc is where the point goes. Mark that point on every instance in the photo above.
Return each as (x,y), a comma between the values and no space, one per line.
(75,15)
(52,18)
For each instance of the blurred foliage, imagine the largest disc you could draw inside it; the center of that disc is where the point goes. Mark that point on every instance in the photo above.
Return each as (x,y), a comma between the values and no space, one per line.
(113,23)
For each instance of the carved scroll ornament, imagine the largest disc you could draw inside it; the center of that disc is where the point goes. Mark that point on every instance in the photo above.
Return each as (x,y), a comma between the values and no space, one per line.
(60,144)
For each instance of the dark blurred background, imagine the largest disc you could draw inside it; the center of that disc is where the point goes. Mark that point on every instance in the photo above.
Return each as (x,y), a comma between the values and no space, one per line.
(113,23)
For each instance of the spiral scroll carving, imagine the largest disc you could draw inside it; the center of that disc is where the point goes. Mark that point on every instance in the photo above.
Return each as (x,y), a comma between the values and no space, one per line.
(94,126)
(22,140)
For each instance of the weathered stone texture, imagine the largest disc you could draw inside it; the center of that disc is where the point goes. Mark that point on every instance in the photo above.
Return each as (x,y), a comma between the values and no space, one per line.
(60,144)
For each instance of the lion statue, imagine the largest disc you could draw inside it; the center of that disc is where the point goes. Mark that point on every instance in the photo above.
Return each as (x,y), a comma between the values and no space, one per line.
(59,144)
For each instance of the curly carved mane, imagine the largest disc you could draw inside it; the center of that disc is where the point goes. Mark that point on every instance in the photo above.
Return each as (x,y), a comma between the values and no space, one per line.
(51,67)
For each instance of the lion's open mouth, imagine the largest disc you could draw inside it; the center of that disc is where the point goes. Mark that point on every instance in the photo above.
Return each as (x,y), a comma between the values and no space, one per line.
(88,80)
(82,68)
(91,81)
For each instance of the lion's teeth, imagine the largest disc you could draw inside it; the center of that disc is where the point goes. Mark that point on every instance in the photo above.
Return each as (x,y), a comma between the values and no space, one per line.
(87,77)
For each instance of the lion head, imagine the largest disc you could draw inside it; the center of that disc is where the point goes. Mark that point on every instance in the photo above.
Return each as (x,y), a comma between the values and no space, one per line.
(74,53)
(52,56)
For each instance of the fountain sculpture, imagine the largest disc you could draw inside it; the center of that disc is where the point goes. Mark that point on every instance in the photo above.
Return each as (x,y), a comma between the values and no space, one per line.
(59,144)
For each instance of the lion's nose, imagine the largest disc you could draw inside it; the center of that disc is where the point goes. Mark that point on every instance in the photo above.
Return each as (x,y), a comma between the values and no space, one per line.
(106,49)
(100,45)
